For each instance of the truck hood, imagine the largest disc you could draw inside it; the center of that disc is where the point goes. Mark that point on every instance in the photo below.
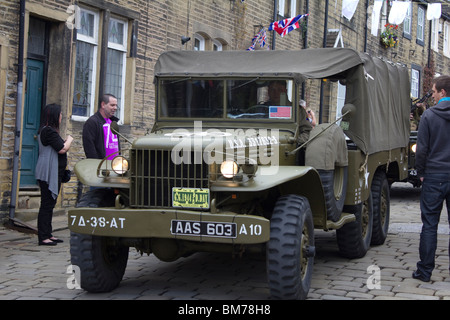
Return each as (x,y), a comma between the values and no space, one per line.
(231,138)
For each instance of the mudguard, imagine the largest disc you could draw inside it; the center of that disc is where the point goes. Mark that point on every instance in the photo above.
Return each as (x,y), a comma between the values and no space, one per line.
(98,173)
(299,180)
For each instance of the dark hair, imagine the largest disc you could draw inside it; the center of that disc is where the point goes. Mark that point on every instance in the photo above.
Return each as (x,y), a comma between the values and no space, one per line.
(105,98)
(442,82)
(50,116)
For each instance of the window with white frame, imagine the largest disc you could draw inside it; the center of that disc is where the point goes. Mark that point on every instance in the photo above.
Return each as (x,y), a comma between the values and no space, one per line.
(341,93)
(384,16)
(86,64)
(421,25)
(116,62)
(199,43)
(415,82)
(287,8)
(408,22)
(435,34)
(88,49)
(447,39)
(217,45)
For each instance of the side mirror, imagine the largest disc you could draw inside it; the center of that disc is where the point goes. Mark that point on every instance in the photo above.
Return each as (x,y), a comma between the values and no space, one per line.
(115,128)
(347,111)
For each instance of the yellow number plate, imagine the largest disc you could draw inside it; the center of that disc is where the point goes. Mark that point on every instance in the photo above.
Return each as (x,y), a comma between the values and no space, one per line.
(190,198)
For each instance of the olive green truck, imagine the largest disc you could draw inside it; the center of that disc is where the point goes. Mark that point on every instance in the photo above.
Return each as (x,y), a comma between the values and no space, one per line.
(228,167)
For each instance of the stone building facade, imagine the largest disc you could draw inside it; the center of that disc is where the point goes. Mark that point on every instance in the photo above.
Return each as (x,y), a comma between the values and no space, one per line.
(73,51)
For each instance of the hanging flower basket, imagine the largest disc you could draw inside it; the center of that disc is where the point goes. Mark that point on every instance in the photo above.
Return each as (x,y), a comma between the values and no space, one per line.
(388,37)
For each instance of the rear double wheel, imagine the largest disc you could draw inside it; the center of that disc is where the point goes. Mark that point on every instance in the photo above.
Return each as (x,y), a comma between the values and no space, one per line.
(354,238)
(290,251)
(381,204)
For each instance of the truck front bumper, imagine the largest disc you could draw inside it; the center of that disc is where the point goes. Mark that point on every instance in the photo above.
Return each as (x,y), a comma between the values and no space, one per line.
(170,224)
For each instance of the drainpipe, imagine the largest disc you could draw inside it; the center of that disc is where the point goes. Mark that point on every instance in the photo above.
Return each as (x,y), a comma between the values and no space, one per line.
(305,40)
(305,46)
(366,29)
(15,173)
(429,44)
(325,31)
(325,25)
(275,17)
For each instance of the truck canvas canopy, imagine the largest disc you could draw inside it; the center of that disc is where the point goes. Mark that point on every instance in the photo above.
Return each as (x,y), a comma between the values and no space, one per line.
(373,86)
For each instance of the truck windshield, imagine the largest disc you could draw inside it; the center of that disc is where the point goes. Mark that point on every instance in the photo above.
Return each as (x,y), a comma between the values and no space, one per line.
(226,99)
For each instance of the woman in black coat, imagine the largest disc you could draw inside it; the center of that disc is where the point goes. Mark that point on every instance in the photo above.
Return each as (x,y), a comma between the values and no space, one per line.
(50,168)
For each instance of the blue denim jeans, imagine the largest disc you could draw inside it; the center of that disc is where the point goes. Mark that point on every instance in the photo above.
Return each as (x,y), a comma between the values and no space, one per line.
(435,189)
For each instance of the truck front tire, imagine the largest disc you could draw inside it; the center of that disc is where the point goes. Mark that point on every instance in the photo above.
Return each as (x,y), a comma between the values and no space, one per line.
(290,251)
(102,260)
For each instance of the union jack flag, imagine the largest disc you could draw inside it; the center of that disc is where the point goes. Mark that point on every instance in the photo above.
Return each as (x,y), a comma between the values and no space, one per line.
(285,26)
(259,38)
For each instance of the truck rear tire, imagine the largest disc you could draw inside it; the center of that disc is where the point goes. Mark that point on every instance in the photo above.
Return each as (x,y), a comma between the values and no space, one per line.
(102,260)
(381,207)
(354,238)
(290,250)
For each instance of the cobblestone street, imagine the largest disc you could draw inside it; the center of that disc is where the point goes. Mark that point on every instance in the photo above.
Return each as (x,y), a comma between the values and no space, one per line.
(28,271)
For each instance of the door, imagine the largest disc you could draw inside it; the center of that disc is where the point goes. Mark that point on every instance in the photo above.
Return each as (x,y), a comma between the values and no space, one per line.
(31,120)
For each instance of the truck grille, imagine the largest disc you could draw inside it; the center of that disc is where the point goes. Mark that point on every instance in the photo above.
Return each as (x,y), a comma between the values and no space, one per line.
(154,174)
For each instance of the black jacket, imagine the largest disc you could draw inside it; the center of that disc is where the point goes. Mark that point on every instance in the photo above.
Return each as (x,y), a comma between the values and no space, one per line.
(50,137)
(93,137)
(433,143)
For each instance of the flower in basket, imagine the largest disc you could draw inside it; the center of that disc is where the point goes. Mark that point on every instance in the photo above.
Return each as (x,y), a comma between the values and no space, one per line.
(389,36)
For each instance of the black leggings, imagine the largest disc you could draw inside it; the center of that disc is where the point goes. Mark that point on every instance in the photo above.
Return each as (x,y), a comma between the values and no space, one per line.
(46,211)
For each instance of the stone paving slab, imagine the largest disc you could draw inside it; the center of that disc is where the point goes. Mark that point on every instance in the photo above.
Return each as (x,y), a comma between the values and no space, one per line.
(30,272)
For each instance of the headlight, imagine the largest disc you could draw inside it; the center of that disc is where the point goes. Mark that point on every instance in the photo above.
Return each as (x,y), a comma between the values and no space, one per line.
(229,169)
(119,165)
(414,147)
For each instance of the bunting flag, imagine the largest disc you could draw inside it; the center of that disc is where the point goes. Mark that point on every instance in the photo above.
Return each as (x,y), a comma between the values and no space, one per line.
(398,12)
(349,8)
(259,38)
(285,26)
(434,11)
(376,17)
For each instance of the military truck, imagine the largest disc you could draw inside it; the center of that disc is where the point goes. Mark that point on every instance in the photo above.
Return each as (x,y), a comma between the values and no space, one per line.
(225,168)
(416,112)
(413,178)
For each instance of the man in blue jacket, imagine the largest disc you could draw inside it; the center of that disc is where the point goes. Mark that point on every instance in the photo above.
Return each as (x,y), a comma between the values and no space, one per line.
(433,168)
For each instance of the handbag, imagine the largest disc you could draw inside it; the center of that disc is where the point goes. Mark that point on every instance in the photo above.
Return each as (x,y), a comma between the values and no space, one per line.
(66,176)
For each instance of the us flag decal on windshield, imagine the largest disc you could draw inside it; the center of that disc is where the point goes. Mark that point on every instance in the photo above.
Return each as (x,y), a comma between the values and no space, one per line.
(280,112)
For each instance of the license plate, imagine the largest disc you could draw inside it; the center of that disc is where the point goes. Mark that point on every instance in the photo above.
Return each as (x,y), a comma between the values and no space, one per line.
(190,198)
(203,228)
